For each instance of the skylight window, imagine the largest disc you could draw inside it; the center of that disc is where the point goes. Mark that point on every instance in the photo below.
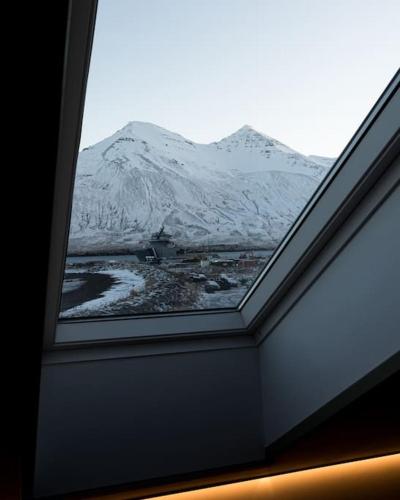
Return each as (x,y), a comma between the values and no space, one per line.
(178,206)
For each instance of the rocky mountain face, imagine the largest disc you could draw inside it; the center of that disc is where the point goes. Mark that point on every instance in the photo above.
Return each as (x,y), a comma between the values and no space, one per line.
(246,189)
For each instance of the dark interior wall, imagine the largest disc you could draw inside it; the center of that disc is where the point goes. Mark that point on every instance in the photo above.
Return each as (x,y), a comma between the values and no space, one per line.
(366,427)
(342,328)
(119,421)
(34,77)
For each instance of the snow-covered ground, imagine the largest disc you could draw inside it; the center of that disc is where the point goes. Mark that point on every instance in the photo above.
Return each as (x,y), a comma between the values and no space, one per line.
(140,288)
(126,282)
(221,299)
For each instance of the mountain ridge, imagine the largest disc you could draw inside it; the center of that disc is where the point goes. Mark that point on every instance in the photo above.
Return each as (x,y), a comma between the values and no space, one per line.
(245,189)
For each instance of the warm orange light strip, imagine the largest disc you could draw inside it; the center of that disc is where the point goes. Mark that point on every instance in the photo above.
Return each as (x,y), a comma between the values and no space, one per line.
(370,478)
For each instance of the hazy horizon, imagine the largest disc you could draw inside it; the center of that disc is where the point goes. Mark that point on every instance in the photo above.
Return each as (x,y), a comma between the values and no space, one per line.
(301,72)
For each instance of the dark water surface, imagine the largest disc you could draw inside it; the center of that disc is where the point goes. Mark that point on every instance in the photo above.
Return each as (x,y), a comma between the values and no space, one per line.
(92,287)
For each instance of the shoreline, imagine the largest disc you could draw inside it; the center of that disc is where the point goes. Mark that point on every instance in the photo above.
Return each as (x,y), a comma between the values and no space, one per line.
(189,250)
(94,286)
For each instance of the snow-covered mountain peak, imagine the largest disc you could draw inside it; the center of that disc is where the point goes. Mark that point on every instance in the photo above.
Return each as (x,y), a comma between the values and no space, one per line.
(137,144)
(322,160)
(146,131)
(244,190)
(249,130)
(250,139)
(246,129)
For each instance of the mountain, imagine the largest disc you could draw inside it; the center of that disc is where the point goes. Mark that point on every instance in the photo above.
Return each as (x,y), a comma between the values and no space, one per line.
(245,189)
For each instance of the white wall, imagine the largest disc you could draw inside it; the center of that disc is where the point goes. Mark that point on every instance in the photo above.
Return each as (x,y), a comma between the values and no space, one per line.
(344,326)
(118,421)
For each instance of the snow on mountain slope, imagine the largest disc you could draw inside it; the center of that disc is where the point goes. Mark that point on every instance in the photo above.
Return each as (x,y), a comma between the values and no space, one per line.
(246,189)
(322,160)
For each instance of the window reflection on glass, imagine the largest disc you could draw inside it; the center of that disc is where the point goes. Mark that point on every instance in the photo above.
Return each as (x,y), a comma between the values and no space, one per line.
(177,205)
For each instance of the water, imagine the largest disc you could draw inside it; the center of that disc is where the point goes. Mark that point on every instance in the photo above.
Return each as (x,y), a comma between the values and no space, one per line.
(133,258)
(79,259)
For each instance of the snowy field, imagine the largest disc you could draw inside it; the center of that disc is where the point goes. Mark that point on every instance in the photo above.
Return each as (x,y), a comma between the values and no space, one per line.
(125,282)
(111,287)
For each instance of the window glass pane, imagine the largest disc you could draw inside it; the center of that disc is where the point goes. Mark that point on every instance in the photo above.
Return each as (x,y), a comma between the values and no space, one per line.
(178,202)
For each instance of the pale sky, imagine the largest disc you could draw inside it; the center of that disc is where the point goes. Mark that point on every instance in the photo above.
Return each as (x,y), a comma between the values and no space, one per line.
(305,72)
